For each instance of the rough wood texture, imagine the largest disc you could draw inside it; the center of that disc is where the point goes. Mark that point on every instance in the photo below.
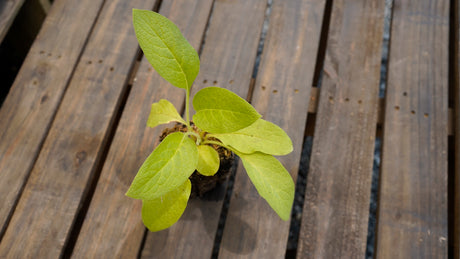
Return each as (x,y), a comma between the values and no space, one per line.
(412,215)
(45,5)
(113,222)
(253,229)
(35,95)
(227,61)
(59,180)
(336,208)
(8,11)
(64,146)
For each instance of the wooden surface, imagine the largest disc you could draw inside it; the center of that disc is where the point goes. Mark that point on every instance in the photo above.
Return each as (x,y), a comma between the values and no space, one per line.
(413,181)
(336,208)
(282,86)
(37,92)
(70,154)
(73,130)
(234,25)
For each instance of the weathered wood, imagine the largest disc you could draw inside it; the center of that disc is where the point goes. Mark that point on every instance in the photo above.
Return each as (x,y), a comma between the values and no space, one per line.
(227,61)
(336,208)
(30,106)
(45,5)
(8,11)
(313,107)
(253,229)
(412,214)
(113,223)
(70,155)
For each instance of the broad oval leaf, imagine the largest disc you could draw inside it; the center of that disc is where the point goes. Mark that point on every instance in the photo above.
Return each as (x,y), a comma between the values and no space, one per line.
(271,180)
(222,111)
(167,168)
(208,160)
(163,112)
(163,212)
(262,136)
(166,48)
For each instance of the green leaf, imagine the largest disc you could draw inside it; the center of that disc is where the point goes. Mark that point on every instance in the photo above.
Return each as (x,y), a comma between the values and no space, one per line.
(262,136)
(163,212)
(163,112)
(222,111)
(271,180)
(165,48)
(208,160)
(167,168)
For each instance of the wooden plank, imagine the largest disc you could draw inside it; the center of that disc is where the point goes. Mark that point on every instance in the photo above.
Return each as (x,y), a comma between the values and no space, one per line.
(227,60)
(336,208)
(45,5)
(30,106)
(283,85)
(412,214)
(70,155)
(113,222)
(8,11)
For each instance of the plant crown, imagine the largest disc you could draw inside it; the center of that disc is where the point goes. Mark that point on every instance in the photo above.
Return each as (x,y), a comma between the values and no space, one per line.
(222,118)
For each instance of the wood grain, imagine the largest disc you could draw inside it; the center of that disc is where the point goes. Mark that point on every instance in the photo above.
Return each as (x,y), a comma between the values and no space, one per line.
(113,222)
(59,180)
(336,208)
(253,229)
(227,61)
(36,93)
(412,214)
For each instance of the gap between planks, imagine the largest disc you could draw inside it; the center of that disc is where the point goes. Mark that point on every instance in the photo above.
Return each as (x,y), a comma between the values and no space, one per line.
(314,100)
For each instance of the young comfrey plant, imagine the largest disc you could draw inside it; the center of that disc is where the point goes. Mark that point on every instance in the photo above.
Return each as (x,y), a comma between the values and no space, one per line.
(222,118)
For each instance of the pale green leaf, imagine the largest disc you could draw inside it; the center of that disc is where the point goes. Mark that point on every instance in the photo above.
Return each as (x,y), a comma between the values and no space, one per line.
(222,111)
(163,112)
(271,180)
(167,168)
(208,160)
(164,211)
(165,48)
(262,136)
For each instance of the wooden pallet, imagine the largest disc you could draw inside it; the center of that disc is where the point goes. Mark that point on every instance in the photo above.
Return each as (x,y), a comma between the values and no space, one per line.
(73,134)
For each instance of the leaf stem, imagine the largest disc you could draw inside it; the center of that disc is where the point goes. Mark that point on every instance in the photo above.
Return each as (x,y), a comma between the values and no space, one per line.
(192,133)
(187,109)
(212,142)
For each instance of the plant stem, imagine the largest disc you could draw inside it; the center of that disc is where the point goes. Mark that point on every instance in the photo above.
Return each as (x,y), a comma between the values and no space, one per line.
(187,109)
(212,142)
(197,136)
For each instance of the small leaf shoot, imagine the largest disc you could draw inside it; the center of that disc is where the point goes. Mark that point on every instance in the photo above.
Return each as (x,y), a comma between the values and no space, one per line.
(164,211)
(271,180)
(163,112)
(262,136)
(208,160)
(166,48)
(219,110)
(167,168)
(222,118)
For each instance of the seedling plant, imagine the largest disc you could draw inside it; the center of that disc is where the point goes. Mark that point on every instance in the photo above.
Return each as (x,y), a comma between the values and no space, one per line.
(222,118)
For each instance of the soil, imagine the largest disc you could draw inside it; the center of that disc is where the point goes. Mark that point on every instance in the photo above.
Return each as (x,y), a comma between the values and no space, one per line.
(202,184)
